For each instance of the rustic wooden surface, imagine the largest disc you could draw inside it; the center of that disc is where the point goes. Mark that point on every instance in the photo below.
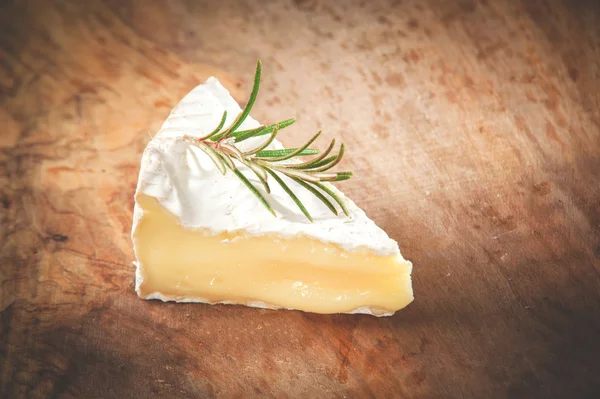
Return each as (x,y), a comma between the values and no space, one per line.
(473,129)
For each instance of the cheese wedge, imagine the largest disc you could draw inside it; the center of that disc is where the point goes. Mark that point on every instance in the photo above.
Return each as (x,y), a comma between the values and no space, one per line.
(200,236)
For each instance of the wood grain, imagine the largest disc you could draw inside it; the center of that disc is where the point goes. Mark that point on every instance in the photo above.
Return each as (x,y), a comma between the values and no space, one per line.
(474,132)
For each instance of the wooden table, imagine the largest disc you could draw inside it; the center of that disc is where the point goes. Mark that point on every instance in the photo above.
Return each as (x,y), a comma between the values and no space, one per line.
(473,130)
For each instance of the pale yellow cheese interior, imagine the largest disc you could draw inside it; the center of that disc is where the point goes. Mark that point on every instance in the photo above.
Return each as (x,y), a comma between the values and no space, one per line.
(298,273)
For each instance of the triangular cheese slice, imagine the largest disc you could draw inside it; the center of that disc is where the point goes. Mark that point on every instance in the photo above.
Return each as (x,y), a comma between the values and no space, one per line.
(201,236)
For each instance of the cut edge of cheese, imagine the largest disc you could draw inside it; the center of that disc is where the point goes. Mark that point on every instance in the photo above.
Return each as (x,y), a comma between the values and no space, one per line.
(176,264)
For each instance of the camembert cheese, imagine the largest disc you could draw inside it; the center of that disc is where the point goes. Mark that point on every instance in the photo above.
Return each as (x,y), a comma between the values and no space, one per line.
(201,236)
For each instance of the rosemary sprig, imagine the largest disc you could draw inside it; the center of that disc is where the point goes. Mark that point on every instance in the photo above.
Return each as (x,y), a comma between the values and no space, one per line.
(219,146)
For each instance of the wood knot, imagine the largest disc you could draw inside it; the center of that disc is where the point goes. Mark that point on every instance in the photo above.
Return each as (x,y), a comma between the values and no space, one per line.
(59,238)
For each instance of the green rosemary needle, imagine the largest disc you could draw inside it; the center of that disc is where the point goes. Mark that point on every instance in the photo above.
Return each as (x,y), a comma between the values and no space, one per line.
(219,146)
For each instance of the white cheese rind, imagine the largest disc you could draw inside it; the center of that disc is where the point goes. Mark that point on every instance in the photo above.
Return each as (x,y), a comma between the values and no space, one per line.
(187,184)
(255,304)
